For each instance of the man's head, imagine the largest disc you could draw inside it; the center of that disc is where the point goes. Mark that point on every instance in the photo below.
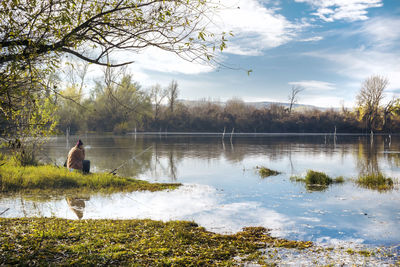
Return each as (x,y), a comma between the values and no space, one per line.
(79,144)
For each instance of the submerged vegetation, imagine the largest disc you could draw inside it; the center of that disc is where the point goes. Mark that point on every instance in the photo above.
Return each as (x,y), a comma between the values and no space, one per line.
(14,177)
(317,181)
(47,241)
(375,181)
(265,172)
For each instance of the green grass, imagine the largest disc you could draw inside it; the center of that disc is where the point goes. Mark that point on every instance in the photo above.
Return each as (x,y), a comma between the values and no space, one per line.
(317,181)
(375,181)
(31,178)
(52,241)
(265,172)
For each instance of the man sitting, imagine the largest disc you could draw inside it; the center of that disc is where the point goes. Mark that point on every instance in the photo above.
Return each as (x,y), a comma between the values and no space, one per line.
(76,158)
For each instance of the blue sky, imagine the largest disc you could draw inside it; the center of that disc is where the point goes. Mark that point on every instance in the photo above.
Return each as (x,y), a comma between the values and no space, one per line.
(327,46)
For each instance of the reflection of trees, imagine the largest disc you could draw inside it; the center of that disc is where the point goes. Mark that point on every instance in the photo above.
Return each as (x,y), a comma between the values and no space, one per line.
(367,155)
(393,159)
(167,167)
(108,152)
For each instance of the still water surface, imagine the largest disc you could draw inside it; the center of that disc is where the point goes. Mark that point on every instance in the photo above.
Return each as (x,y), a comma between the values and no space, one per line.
(223,192)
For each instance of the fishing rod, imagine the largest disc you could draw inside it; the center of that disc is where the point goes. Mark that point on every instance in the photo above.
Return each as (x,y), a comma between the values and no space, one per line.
(114,171)
(4,211)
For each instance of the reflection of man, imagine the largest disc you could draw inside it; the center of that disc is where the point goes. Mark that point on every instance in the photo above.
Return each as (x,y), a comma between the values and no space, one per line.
(77,205)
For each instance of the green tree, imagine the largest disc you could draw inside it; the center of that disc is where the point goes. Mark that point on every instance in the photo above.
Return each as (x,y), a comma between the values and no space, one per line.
(35,35)
(119,107)
(70,112)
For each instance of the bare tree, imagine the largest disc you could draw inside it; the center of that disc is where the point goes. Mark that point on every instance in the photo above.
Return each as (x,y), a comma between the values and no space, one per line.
(172,94)
(369,99)
(293,96)
(76,74)
(157,95)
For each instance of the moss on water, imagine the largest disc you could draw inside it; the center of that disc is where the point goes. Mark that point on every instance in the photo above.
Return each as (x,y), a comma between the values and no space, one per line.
(375,181)
(15,178)
(265,172)
(52,241)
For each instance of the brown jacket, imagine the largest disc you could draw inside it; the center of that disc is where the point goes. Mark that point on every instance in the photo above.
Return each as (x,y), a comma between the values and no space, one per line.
(75,158)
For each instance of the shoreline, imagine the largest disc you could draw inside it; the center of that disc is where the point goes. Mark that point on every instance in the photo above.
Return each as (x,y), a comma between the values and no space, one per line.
(49,241)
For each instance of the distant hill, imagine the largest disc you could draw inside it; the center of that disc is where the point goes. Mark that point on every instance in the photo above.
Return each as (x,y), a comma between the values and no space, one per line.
(258,105)
(286,105)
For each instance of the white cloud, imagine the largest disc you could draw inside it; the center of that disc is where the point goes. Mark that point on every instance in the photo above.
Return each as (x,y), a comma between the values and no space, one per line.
(255,27)
(314,85)
(351,10)
(159,60)
(312,39)
(359,64)
(382,31)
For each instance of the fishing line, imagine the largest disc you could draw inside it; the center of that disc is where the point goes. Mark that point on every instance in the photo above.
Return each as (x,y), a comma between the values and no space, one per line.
(4,211)
(134,157)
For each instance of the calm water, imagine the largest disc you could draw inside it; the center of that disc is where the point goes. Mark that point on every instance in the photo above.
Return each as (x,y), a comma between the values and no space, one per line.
(223,192)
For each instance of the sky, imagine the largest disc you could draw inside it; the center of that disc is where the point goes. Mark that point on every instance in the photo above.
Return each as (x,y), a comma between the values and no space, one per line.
(329,47)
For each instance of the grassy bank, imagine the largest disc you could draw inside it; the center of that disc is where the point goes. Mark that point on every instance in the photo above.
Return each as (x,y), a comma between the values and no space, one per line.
(31,178)
(49,241)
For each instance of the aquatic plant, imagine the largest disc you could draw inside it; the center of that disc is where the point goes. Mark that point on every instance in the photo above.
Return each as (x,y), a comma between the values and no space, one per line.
(52,241)
(14,177)
(375,181)
(265,172)
(317,181)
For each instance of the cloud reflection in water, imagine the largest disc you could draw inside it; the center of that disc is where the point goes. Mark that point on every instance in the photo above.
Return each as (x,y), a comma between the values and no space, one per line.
(200,203)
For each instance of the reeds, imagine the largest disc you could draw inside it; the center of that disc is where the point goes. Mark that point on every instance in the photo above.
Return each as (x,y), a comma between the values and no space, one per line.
(265,172)
(317,181)
(375,181)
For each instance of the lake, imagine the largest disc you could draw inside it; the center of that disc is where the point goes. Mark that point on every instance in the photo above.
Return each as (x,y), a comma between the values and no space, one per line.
(223,191)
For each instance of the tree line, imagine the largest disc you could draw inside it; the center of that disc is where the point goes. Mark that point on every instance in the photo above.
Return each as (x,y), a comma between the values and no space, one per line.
(120,105)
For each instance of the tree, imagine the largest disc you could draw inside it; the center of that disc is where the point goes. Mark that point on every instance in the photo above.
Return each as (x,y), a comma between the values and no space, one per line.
(118,106)
(388,110)
(293,96)
(172,95)
(70,111)
(369,99)
(35,35)
(32,29)
(157,95)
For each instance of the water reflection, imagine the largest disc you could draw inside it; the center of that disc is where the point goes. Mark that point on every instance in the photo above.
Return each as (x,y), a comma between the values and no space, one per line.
(163,160)
(77,205)
(223,192)
(200,203)
(367,157)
